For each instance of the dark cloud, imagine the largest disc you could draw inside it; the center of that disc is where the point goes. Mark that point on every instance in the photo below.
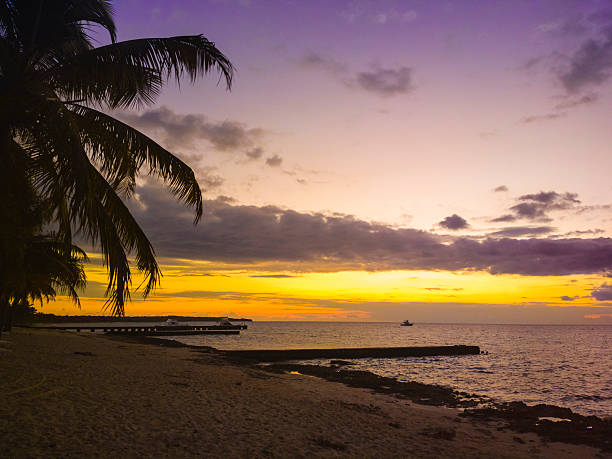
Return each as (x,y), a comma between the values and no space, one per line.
(520,231)
(602,293)
(386,82)
(500,189)
(536,206)
(275,276)
(591,64)
(274,161)
(546,117)
(504,219)
(568,298)
(182,131)
(454,222)
(255,153)
(269,235)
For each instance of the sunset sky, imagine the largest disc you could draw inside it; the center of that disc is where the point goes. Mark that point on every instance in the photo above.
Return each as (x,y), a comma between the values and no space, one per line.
(441,161)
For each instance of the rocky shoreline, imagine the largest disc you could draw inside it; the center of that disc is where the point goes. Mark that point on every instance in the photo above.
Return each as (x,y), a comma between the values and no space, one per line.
(562,425)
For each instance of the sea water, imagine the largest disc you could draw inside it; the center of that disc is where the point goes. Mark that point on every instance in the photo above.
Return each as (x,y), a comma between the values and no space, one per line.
(564,365)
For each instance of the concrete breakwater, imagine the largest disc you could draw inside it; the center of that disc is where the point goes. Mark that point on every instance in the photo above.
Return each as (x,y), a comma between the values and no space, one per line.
(349,353)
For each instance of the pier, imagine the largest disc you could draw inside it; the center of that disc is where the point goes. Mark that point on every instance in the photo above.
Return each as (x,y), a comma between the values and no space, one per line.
(154,330)
(350,353)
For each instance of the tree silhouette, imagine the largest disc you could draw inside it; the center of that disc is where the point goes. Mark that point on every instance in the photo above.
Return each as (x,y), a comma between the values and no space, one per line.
(54,89)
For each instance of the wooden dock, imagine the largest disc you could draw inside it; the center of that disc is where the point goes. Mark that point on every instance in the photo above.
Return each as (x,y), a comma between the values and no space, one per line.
(350,353)
(153,330)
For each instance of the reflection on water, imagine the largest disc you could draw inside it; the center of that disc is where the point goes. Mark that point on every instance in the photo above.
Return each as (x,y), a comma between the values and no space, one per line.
(567,365)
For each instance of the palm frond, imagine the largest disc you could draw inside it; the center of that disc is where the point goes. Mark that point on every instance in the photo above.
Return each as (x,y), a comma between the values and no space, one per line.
(98,12)
(123,150)
(115,84)
(150,59)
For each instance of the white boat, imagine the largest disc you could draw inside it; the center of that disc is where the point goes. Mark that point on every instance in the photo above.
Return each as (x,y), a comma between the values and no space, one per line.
(171,323)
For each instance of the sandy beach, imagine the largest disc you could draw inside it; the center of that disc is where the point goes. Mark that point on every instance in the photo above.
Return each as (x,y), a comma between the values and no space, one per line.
(68,395)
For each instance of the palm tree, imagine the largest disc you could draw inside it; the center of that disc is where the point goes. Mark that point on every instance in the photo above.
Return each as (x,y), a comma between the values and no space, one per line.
(55,87)
(33,266)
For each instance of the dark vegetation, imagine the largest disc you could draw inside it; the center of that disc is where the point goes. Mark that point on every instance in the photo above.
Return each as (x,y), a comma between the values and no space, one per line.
(66,165)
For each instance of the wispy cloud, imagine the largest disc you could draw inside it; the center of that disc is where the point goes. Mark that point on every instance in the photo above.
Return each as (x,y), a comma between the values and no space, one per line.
(546,117)
(382,81)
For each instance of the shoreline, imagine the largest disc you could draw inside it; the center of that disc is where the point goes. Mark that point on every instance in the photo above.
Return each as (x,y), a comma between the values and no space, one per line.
(540,419)
(81,396)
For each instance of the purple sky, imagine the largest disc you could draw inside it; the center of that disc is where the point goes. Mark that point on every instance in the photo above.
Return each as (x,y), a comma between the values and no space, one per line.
(478,120)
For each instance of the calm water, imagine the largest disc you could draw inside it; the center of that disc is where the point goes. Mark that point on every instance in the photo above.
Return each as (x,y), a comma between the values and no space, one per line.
(565,365)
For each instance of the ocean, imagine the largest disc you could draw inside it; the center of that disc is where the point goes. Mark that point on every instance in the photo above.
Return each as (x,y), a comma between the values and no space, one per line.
(564,365)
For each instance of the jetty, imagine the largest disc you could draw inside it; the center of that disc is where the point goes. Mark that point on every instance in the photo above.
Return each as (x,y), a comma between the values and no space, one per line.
(152,330)
(350,353)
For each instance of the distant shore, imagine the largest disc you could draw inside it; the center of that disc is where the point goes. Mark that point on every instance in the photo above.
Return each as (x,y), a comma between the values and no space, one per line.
(70,395)
(41,318)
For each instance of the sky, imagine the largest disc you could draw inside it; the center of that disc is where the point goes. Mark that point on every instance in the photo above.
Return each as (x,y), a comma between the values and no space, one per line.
(441,161)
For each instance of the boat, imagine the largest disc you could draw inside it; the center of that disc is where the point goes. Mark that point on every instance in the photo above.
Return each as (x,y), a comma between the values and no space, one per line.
(406,323)
(171,323)
(224,321)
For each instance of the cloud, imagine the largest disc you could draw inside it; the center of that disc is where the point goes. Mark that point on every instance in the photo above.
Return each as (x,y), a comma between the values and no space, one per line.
(537,206)
(579,233)
(372,12)
(208,180)
(255,153)
(275,276)
(590,65)
(274,161)
(386,82)
(546,117)
(575,26)
(504,219)
(500,189)
(454,222)
(291,241)
(183,131)
(519,231)
(325,63)
(568,298)
(576,102)
(602,293)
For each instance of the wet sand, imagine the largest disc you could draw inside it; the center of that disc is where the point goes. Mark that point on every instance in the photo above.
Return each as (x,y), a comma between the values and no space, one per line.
(69,395)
